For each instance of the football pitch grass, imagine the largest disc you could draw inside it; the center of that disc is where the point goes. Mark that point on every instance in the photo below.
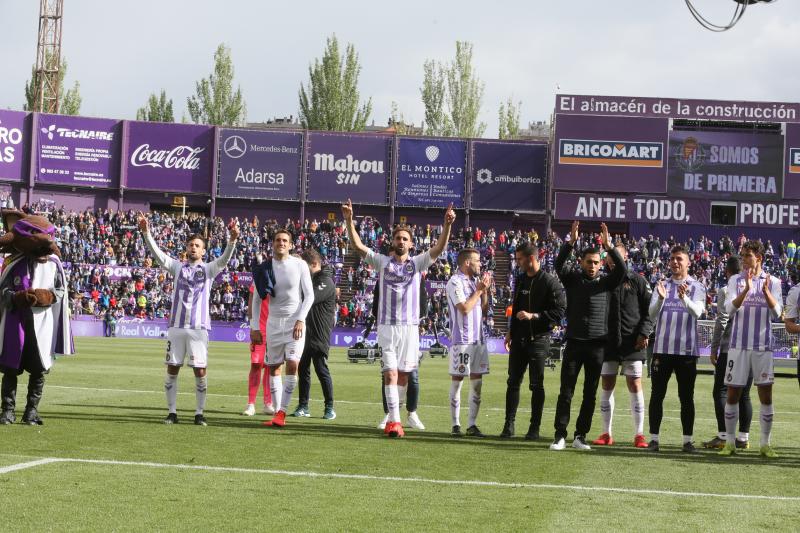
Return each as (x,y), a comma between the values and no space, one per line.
(104,461)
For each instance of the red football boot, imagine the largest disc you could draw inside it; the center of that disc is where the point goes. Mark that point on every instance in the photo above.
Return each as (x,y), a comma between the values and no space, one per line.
(278,421)
(639,441)
(603,440)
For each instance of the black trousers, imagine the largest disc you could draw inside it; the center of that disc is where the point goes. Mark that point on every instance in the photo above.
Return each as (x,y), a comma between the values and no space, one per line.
(412,392)
(589,356)
(320,361)
(720,393)
(529,355)
(685,369)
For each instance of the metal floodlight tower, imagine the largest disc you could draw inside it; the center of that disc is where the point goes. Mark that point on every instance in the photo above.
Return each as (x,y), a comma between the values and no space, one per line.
(48,56)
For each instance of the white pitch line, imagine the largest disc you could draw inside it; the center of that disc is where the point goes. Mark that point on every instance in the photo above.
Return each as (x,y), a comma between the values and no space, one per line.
(29,464)
(457,482)
(355,402)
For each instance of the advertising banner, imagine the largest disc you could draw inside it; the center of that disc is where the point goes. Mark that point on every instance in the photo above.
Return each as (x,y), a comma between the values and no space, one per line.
(430,172)
(15,137)
(509,176)
(78,151)
(594,153)
(632,106)
(169,157)
(791,187)
(728,165)
(616,208)
(260,164)
(342,166)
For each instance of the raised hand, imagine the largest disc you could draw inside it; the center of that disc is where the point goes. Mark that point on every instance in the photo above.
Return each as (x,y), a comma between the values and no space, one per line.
(748,280)
(449,215)
(682,290)
(605,238)
(143,224)
(485,282)
(573,232)
(233,227)
(347,210)
(661,289)
(767,285)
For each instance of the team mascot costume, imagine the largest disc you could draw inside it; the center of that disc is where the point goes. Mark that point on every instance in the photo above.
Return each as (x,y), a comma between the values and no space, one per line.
(34,313)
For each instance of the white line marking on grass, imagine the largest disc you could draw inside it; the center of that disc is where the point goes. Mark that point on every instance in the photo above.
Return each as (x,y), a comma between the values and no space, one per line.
(367,477)
(29,464)
(355,402)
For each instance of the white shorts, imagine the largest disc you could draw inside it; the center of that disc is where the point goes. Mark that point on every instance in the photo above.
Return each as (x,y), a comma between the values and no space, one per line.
(466,359)
(742,362)
(631,369)
(400,345)
(281,344)
(182,341)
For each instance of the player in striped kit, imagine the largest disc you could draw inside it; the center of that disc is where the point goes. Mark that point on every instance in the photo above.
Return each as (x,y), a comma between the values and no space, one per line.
(398,312)
(754,300)
(676,305)
(468,300)
(288,308)
(791,316)
(189,320)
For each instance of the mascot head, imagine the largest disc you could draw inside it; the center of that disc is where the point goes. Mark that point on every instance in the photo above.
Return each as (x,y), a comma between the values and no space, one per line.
(29,235)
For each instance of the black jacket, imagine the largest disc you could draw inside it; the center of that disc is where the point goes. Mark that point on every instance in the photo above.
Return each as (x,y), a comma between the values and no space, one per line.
(629,317)
(320,319)
(588,298)
(546,298)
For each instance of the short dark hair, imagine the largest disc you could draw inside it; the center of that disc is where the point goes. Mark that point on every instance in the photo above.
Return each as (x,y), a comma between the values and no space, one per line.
(196,236)
(403,227)
(733,265)
(284,231)
(310,255)
(754,246)
(679,249)
(590,250)
(526,249)
(463,254)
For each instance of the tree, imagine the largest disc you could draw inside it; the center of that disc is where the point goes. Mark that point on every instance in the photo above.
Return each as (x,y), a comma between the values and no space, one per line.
(158,109)
(330,101)
(215,101)
(452,95)
(70,100)
(433,92)
(509,119)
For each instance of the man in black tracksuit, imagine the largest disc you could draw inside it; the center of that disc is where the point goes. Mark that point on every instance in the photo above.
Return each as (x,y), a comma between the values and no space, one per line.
(538,306)
(319,324)
(629,327)
(588,296)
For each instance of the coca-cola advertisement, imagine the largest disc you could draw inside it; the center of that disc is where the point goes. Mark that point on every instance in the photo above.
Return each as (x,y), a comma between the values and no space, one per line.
(169,157)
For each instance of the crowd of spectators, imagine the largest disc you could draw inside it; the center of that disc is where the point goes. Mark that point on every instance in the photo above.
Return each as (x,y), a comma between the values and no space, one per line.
(96,241)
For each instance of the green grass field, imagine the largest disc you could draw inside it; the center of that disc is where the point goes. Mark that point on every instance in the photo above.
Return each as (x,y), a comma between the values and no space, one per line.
(127,471)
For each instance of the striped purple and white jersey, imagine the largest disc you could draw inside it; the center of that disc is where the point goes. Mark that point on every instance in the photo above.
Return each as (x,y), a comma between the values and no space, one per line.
(676,318)
(464,328)
(192,286)
(752,322)
(398,286)
(792,301)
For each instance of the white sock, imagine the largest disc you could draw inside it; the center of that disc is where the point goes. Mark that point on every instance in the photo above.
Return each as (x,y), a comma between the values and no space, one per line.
(723,435)
(654,437)
(637,411)
(455,402)
(392,402)
(288,388)
(743,436)
(475,386)
(401,399)
(767,414)
(200,387)
(276,388)
(731,419)
(687,439)
(171,389)
(607,409)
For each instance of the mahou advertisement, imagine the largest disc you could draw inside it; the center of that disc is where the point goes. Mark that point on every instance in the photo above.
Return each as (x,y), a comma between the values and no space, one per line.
(169,157)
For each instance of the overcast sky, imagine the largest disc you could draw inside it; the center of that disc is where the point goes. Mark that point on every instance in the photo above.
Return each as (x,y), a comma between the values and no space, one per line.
(122,51)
